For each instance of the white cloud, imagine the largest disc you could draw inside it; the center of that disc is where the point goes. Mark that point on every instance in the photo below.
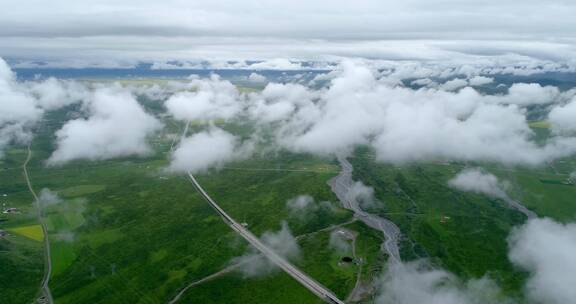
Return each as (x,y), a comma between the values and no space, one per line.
(530,93)
(406,125)
(424,82)
(478,181)
(117,126)
(205,150)
(304,207)
(53,93)
(279,101)
(454,84)
(478,81)
(344,117)
(49,197)
(276,64)
(339,242)
(542,247)
(417,282)
(18,111)
(258,78)
(546,249)
(412,29)
(301,205)
(361,193)
(211,99)
(253,264)
(563,118)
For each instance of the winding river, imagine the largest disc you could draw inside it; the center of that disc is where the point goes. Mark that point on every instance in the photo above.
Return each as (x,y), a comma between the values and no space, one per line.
(341,186)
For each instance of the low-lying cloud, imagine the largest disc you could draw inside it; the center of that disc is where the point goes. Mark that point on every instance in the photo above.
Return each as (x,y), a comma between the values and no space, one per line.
(53,93)
(478,181)
(362,194)
(304,207)
(282,242)
(407,125)
(209,99)
(301,206)
(204,150)
(339,242)
(363,103)
(546,250)
(418,282)
(563,118)
(542,247)
(117,126)
(48,197)
(19,111)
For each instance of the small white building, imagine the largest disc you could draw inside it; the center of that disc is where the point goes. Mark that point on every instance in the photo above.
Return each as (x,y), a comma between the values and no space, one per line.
(11,211)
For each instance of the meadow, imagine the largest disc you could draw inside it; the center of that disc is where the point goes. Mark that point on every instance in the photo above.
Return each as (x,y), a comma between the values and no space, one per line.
(125,231)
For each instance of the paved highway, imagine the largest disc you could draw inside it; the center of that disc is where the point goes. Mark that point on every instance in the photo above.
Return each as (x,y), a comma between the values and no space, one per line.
(290,269)
(46,295)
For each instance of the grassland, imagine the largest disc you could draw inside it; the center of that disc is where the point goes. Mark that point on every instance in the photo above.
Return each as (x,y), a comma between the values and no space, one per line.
(449,228)
(21,260)
(126,232)
(33,232)
(541,124)
(81,190)
(463,232)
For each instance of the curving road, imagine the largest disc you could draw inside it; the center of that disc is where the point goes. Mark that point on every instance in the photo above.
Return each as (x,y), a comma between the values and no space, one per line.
(521,208)
(341,185)
(315,287)
(46,296)
(206,279)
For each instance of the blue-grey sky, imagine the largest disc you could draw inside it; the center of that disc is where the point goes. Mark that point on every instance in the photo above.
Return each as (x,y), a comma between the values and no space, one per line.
(217,29)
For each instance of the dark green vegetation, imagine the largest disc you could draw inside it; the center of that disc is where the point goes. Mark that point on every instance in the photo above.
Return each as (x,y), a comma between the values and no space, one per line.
(463,232)
(547,190)
(20,257)
(126,232)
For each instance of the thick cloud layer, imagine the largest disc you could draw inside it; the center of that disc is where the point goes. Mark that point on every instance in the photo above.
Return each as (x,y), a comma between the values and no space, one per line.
(117,126)
(478,181)
(433,29)
(546,249)
(406,125)
(365,105)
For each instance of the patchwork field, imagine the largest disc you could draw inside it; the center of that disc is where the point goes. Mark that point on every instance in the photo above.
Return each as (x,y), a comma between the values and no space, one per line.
(33,232)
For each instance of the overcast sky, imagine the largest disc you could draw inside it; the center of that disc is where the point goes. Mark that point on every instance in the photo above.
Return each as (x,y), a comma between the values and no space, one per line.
(250,29)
